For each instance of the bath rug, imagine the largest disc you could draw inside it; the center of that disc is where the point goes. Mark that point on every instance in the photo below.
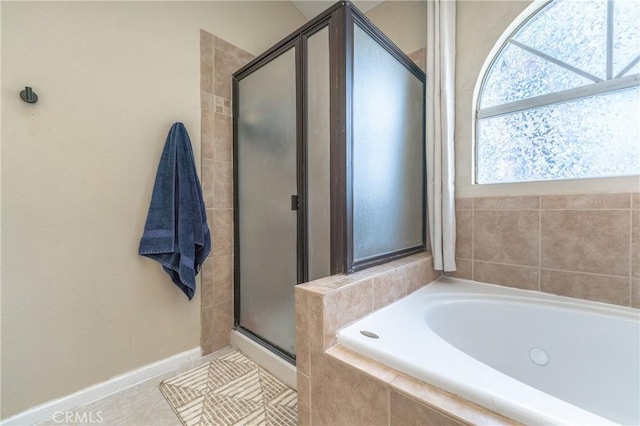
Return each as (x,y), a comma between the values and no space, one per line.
(230,390)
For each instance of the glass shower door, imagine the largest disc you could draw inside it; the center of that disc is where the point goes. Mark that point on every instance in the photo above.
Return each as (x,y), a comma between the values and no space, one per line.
(267,221)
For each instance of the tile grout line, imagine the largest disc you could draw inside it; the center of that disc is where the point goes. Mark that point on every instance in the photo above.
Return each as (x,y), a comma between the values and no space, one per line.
(630,248)
(569,271)
(388,388)
(473,239)
(539,243)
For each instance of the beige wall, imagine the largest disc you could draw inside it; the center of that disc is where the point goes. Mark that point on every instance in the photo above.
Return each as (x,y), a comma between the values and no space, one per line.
(79,305)
(404,22)
(479,26)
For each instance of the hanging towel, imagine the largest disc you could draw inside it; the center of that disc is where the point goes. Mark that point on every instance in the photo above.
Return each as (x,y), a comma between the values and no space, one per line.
(176,233)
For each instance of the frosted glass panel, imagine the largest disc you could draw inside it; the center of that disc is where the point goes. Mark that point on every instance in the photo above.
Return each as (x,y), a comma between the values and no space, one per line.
(318,213)
(266,181)
(580,39)
(626,33)
(388,152)
(518,74)
(585,138)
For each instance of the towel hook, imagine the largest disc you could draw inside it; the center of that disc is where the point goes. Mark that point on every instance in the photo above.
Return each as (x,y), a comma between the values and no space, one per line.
(28,95)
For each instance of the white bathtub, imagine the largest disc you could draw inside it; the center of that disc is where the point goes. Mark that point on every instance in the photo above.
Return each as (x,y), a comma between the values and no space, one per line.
(533,357)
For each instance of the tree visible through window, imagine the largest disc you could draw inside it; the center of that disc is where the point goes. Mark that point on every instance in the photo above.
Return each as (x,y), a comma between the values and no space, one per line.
(561,100)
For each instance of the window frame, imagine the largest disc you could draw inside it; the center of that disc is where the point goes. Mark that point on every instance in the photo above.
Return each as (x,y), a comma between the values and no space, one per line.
(598,87)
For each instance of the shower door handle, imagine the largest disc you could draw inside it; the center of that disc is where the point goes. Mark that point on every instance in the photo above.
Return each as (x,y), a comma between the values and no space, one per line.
(295,202)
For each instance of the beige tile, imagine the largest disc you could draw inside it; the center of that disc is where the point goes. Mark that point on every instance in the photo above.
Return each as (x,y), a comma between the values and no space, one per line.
(586,240)
(598,288)
(222,279)
(222,218)
(418,58)
(416,55)
(464,270)
(206,330)
(209,213)
(635,293)
(302,332)
(316,327)
(464,234)
(418,274)
(356,278)
(635,200)
(223,185)
(344,306)
(321,281)
(206,283)
(206,101)
(231,49)
(222,241)
(411,259)
(341,395)
(373,368)
(506,203)
(225,66)
(506,236)
(432,273)
(206,135)
(389,287)
(207,182)
(407,412)
(304,399)
(586,201)
(223,269)
(458,408)
(222,138)
(635,243)
(206,67)
(464,203)
(507,275)
(222,324)
(317,289)
(206,37)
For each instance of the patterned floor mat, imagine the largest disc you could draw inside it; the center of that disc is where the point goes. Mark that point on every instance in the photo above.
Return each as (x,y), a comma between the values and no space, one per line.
(230,390)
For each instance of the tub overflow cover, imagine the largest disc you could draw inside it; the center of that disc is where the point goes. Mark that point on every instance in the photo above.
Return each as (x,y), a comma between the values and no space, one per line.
(369,334)
(539,357)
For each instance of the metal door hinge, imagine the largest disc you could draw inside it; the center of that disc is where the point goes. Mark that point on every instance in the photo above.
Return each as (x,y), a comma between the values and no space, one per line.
(295,202)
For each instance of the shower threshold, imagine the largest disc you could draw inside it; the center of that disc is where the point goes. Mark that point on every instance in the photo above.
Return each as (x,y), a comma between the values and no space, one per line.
(283,370)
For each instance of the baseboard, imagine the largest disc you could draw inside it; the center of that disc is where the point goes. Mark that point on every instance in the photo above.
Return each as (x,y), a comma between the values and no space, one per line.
(98,391)
(281,369)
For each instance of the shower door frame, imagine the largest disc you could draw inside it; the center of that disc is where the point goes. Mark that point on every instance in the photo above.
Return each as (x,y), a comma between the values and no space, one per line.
(340,19)
(300,179)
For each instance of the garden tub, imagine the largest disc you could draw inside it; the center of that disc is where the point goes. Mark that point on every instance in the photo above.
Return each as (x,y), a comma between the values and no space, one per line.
(534,357)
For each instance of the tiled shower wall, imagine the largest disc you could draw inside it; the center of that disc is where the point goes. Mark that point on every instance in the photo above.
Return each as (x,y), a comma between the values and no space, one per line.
(583,246)
(419,58)
(218,61)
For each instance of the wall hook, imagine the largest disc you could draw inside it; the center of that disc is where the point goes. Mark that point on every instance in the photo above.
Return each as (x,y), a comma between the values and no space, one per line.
(28,95)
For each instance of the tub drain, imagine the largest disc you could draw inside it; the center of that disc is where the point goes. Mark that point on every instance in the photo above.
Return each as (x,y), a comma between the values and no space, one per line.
(369,334)
(539,357)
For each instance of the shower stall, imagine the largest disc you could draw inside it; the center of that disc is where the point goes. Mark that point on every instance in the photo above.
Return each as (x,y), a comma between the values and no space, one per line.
(329,166)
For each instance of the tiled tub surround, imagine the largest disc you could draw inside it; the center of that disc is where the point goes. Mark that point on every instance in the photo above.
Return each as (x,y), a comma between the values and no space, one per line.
(582,246)
(339,387)
(218,61)
(474,340)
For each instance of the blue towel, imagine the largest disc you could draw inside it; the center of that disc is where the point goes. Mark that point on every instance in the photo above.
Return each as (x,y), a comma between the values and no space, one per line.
(176,232)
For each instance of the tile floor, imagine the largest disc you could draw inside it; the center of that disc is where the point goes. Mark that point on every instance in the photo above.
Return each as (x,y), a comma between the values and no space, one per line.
(139,405)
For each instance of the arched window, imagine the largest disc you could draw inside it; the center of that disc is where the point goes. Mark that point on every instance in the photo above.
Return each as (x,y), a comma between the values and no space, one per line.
(561,99)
